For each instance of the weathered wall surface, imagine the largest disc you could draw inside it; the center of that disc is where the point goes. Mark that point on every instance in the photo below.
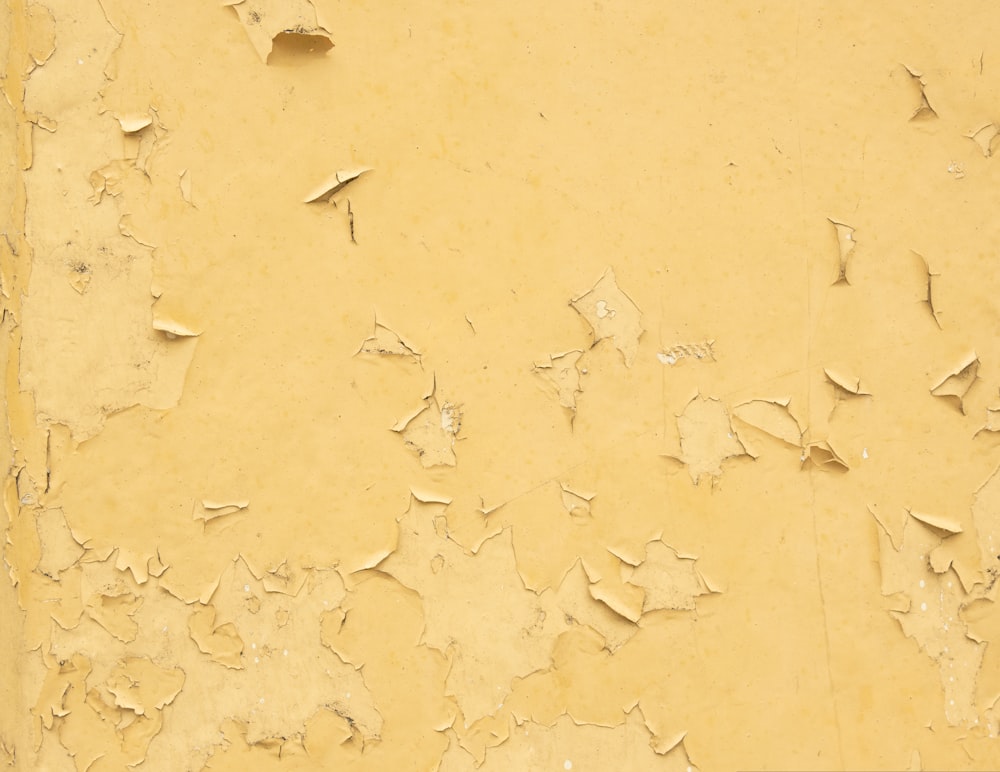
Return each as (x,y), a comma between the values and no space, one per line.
(512,386)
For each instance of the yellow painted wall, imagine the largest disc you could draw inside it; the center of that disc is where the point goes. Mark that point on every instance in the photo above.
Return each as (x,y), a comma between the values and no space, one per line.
(515,386)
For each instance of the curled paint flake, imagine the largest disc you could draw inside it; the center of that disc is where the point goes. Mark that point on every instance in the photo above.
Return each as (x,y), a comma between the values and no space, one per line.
(772,417)
(929,296)
(133,123)
(923,111)
(184,183)
(845,385)
(845,244)
(956,385)
(984,137)
(171,328)
(270,22)
(822,455)
(946,525)
(333,184)
(208,510)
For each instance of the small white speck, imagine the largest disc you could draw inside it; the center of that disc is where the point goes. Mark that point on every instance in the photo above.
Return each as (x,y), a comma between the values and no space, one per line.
(164,628)
(849,236)
(949,584)
(951,678)
(256,659)
(952,702)
(923,607)
(922,583)
(246,588)
(79,61)
(567,764)
(864,453)
(261,700)
(253,645)
(348,695)
(285,652)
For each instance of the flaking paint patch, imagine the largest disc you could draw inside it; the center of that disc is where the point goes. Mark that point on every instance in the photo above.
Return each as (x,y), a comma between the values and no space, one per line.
(565,745)
(680,352)
(119,714)
(933,617)
(611,314)
(432,430)
(669,580)
(59,550)
(707,438)
(563,376)
(484,655)
(384,341)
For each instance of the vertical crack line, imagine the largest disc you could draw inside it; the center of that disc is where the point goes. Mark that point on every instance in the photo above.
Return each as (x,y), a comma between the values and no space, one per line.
(826,618)
(809,394)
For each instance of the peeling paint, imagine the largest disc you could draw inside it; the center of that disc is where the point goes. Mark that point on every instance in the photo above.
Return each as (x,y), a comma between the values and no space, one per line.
(612,314)
(281,495)
(267,22)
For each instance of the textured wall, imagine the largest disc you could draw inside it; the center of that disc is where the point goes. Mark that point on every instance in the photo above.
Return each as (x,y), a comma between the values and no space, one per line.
(524,386)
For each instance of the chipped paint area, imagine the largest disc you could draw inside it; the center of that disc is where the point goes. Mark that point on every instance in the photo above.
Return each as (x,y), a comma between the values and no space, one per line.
(511,386)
